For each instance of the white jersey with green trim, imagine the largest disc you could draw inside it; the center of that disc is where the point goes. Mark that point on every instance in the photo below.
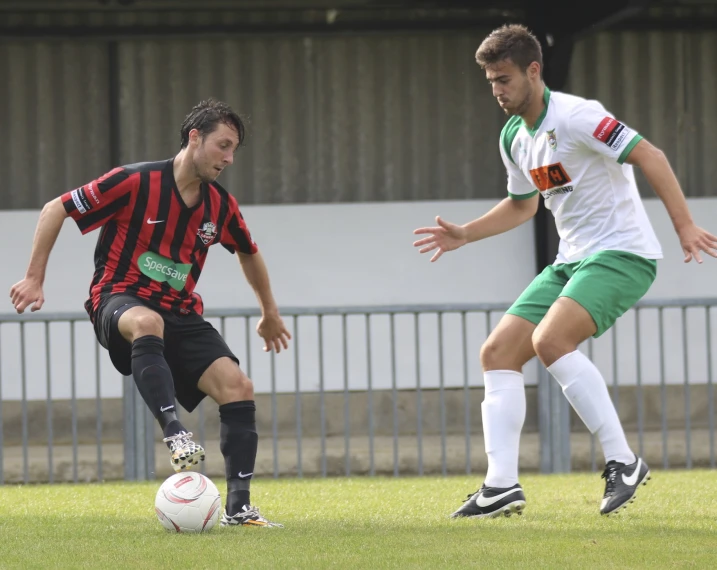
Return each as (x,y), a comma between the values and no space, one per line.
(575,157)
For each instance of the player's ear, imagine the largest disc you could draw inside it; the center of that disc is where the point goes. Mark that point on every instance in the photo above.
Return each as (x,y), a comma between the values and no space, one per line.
(534,70)
(195,137)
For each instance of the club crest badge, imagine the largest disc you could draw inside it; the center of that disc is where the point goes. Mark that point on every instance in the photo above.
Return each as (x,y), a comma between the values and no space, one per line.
(207,232)
(552,139)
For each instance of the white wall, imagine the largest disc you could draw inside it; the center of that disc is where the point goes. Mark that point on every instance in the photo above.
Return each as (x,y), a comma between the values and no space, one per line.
(321,255)
(349,254)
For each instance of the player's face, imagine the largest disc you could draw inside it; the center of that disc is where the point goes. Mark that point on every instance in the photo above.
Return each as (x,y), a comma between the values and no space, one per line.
(511,87)
(215,152)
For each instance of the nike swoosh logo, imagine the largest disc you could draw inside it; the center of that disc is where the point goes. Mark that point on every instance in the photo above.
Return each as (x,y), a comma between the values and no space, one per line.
(244,475)
(161,409)
(632,479)
(151,221)
(482,501)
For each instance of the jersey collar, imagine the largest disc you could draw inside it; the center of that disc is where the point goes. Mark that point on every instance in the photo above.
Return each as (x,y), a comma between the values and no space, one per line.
(546,100)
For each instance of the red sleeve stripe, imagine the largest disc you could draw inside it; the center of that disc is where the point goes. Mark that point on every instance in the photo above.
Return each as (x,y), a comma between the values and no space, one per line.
(114,177)
(239,232)
(94,220)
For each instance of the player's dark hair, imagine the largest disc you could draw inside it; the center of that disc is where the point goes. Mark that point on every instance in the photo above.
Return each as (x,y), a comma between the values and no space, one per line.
(513,42)
(206,116)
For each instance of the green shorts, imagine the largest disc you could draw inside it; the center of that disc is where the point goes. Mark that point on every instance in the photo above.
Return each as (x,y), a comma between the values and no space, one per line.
(606,284)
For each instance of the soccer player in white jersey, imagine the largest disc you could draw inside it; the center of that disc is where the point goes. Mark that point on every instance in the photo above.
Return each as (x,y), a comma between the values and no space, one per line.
(579,158)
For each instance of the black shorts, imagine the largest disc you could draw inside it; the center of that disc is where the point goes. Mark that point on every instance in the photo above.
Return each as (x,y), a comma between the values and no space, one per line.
(191,344)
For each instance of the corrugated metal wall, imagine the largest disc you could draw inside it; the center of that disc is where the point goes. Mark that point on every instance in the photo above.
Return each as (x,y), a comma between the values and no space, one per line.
(333,118)
(53,119)
(664,84)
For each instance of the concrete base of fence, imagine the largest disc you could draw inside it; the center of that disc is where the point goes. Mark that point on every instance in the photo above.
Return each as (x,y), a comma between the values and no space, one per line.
(676,409)
(286,464)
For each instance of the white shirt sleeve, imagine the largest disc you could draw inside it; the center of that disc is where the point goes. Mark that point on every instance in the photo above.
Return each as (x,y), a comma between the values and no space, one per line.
(519,187)
(592,126)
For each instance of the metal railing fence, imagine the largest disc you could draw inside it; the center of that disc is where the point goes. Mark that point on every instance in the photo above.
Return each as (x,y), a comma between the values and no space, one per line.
(367,390)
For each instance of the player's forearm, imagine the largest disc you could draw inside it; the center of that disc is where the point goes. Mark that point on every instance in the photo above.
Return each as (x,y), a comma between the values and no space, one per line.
(659,174)
(505,216)
(258,277)
(46,232)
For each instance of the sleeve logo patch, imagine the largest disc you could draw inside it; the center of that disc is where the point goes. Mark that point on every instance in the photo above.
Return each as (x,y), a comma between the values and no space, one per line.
(611,132)
(81,202)
(548,177)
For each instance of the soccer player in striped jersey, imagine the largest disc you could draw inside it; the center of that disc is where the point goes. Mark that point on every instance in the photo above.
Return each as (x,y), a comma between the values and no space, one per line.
(157,221)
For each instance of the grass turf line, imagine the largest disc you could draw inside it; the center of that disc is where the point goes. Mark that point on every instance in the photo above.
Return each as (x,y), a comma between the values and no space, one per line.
(369,523)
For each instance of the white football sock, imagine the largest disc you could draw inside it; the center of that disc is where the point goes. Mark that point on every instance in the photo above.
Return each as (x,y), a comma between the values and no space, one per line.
(585,389)
(503,416)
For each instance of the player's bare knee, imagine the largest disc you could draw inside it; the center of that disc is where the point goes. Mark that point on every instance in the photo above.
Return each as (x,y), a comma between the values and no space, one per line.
(137,322)
(495,355)
(226,382)
(549,346)
(235,387)
(147,323)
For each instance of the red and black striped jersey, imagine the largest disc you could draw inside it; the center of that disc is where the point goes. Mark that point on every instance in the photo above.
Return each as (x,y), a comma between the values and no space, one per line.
(151,244)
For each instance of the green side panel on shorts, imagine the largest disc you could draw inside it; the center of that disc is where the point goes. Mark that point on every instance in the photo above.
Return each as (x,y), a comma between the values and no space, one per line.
(628,149)
(523,196)
(606,284)
(508,134)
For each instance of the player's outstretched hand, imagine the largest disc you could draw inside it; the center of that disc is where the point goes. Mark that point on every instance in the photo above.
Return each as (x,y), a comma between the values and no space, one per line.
(444,237)
(271,328)
(25,293)
(694,239)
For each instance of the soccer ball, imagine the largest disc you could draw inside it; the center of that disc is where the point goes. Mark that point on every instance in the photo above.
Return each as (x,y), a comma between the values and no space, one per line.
(188,502)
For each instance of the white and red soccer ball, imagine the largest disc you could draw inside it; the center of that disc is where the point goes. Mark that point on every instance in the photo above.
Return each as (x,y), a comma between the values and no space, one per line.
(188,502)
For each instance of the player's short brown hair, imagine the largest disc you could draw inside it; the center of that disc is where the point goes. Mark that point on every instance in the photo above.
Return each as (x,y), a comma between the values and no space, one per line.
(513,42)
(205,116)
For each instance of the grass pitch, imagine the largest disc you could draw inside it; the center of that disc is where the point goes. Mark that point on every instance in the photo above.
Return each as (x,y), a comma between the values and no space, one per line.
(369,523)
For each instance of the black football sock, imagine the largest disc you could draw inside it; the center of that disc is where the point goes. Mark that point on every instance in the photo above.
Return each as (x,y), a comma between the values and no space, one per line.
(238,442)
(154,382)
